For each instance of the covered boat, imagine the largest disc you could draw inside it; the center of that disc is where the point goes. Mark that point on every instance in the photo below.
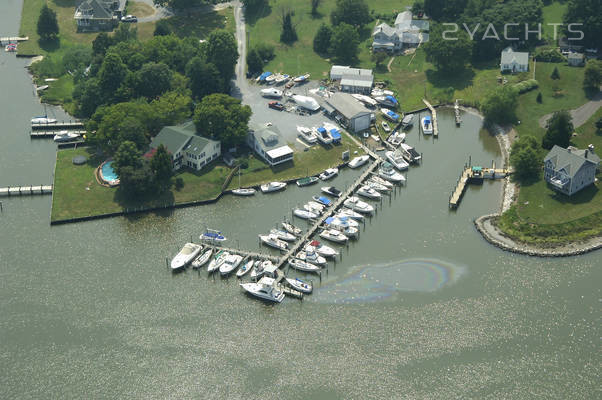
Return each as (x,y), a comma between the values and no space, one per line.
(212,235)
(358,161)
(390,115)
(271,92)
(309,103)
(323,135)
(427,125)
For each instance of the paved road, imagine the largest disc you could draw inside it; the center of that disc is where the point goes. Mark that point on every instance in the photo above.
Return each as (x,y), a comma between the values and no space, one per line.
(580,115)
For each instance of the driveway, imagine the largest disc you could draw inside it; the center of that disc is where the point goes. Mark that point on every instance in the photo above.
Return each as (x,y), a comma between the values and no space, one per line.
(580,115)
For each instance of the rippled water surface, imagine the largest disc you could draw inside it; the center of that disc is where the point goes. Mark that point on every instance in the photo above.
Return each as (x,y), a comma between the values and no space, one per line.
(419,307)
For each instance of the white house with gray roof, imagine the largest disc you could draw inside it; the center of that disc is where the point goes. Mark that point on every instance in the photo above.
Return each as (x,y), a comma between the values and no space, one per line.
(570,170)
(405,32)
(514,61)
(267,141)
(353,80)
(98,15)
(185,146)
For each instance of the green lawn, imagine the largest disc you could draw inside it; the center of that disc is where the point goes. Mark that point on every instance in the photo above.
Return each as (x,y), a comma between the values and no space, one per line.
(552,14)
(138,9)
(77,194)
(311,162)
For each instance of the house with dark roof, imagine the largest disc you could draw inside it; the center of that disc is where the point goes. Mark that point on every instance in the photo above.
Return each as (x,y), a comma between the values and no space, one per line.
(185,146)
(267,141)
(98,15)
(353,80)
(352,114)
(405,32)
(514,61)
(570,170)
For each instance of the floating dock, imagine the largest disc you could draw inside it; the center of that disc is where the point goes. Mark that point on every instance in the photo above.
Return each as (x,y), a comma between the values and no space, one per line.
(58,125)
(474,174)
(13,39)
(51,134)
(434,112)
(245,253)
(25,190)
(457,113)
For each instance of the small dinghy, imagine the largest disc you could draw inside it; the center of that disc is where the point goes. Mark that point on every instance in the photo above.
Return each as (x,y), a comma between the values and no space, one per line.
(329,174)
(202,259)
(283,235)
(246,268)
(303,265)
(334,236)
(292,229)
(358,161)
(217,261)
(322,200)
(186,255)
(298,284)
(230,264)
(273,241)
(331,190)
(304,214)
(357,205)
(385,126)
(322,249)
(369,193)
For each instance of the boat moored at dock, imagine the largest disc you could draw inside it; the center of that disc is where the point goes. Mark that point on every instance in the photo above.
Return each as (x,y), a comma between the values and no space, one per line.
(273,241)
(321,249)
(369,193)
(308,180)
(334,236)
(202,259)
(304,214)
(427,125)
(245,268)
(217,261)
(397,160)
(186,255)
(357,205)
(283,235)
(272,187)
(358,161)
(409,153)
(329,174)
(387,172)
(230,264)
(264,289)
(292,229)
(331,190)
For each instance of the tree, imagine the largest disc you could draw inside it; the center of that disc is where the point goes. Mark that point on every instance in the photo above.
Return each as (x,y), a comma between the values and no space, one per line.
(524,157)
(589,14)
(444,10)
(500,105)
(224,118)
(322,39)
(101,43)
(418,7)
(89,96)
(153,79)
(125,33)
(352,12)
(222,51)
(254,5)
(560,129)
(162,168)
(288,34)
(539,98)
(314,7)
(593,74)
(254,62)
(135,182)
(162,28)
(599,125)
(378,57)
(127,155)
(77,57)
(344,43)
(448,55)
(555,74)
(204,78)
(48,27)
(170,109)
(111,74)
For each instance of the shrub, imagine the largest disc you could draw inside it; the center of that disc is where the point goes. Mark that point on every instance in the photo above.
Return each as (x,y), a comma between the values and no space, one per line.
(526,86)
(549,55)
(179,183)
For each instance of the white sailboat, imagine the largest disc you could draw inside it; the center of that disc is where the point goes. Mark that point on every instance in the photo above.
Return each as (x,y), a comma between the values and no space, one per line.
(245,269)
(186,255)
(243,191)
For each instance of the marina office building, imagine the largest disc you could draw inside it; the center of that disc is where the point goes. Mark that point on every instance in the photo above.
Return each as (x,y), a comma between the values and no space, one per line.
(267,141)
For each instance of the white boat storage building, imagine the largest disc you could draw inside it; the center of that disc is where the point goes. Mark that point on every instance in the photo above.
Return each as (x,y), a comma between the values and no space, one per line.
(353,80)
(268,143)
(354,115)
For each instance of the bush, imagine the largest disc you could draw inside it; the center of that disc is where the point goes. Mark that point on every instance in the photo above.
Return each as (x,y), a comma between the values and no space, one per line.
(179,183)
(549,55)
(555,74)
(526,86)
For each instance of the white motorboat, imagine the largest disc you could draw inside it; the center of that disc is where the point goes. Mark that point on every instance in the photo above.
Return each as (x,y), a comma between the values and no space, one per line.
(43,87)
(230,264)
(298,284)
(427,125)
(381,181)
(310,255)
(346,212)
(407,121)
(65,136)
(357,205)
(358,161)
(396,138)
(264,289)
(272,187)
(309,103)
(281,78)
(387,172)
(212,235)
(217,261)
(271,92)
(381,92)
(292,229)
(186,255)
(243,191)
(273,241)
(375,138)
(334,236)
(369,193)
(390,115)
(304,214)
(377,186)
(245,269)
(329,174)
(409,153)
(323,135)
(264,268)
(270,79)
(385,126)
(321,249)
(344,220)
(202,259)
(283,235)
(313,208)
(369,101)
(331,190)
(301,78)
(397,160)
(325,201)
(43,120)
(308,180)
(307,134)
(342,226)
(303,265)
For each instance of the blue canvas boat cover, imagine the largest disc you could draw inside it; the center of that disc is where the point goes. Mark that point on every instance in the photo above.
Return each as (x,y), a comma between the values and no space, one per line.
(321,129)
(391,99)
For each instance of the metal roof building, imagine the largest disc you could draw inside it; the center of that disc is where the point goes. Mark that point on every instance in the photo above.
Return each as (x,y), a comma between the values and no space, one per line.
(355,116)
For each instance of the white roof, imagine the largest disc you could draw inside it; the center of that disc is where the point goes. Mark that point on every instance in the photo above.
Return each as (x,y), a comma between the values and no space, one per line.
(280,151)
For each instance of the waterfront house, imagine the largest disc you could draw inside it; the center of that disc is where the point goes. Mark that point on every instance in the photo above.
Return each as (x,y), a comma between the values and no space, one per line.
(514,61)
(353,80)
(576,59)
(185,146)
(570,170)
(405,32)
(267,141)
(350,112)
(98,15)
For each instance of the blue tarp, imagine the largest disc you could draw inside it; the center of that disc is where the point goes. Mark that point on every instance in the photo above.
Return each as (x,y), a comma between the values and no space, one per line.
(336,136)
(427,118)
(321,129)
(391,99)
(264,75)
(393,115)
(329,220)
(324,200)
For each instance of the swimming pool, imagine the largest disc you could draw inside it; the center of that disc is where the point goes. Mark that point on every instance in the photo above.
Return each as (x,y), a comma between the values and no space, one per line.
(107,173)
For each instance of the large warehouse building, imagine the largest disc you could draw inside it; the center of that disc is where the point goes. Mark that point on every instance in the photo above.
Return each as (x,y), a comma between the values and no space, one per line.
(352,113)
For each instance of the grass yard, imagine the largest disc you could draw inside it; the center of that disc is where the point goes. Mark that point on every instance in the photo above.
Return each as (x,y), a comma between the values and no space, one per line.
(60,92)
(139,9)
(552,14)
(77,194)
(311,162)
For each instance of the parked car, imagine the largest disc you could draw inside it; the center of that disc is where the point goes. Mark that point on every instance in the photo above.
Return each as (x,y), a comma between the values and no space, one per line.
(129,18)
(276,106)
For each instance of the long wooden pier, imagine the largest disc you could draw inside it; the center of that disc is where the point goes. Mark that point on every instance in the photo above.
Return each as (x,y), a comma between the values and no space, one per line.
(476,174)
(50,134)
(58,125)
(13,39)
(456,196)
(25,190)
(434,112)
(245,253)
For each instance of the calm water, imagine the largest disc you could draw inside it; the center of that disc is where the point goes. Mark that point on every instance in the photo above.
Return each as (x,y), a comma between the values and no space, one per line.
(419,307)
